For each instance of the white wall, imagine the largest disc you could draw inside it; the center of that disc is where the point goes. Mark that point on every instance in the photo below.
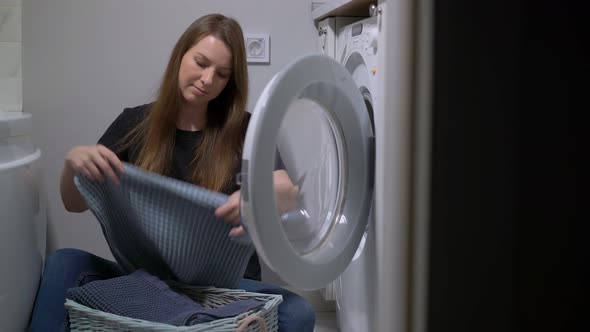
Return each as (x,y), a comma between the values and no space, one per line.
(10,55)
(85,60)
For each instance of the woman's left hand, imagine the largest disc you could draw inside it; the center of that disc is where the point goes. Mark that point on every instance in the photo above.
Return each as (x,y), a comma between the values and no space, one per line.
(230,212)
(285,194)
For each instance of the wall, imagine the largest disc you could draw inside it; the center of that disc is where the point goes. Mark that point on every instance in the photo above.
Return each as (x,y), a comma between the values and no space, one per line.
(84,61)
(10,55)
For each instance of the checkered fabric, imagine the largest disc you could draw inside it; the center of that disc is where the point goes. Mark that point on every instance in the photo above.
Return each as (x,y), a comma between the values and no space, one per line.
(167,227)
(143,296)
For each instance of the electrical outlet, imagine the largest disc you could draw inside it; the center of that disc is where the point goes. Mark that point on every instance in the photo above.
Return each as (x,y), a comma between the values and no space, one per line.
(257,47)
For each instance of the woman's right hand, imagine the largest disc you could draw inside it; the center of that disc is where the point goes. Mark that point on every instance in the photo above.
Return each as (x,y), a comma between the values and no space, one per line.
(94,162)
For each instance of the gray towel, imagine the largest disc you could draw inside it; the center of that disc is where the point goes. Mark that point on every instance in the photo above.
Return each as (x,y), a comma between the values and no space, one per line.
(143,296)
(166,227)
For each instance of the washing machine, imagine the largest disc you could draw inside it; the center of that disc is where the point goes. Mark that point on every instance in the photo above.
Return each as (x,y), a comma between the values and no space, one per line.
(328,31)
(313,113)
(317,113)
(22,221)
(356,49)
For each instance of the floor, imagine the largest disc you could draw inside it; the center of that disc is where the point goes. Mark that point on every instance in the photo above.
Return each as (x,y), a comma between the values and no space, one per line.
(326,322)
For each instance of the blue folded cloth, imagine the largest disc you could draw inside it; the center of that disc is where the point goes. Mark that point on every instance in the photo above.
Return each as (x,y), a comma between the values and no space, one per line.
(143,296)
(166,227)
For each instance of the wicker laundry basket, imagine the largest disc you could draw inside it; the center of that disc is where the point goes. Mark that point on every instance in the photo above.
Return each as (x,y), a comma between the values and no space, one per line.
(263,319)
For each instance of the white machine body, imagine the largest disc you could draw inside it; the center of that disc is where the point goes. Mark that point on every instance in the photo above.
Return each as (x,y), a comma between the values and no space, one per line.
(22,221)
(357,48)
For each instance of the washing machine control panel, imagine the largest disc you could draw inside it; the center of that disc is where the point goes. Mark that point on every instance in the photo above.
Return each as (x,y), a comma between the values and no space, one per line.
(364,36)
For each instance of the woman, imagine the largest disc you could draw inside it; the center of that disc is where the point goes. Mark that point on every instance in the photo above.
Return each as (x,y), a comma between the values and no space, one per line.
(194,132)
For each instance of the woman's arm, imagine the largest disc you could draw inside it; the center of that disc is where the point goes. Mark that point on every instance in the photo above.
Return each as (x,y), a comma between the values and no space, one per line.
(94,162)
(285,194)
(70,196)
(285,191)
(97,161)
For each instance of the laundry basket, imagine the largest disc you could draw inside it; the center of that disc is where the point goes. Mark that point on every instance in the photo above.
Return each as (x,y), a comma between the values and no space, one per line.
(263,319)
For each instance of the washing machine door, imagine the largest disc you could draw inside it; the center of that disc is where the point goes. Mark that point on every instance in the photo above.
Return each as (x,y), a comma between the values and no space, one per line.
(310,121)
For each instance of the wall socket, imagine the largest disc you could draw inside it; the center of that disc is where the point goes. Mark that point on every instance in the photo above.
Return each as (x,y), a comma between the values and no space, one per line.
(257,47)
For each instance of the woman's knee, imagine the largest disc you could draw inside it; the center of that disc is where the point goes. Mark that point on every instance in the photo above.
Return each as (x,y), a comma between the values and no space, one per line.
(67,253)
(297,312)
(73,264)
(65,256)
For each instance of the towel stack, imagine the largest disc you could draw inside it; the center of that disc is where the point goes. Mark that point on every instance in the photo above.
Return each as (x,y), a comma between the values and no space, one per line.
(143,296)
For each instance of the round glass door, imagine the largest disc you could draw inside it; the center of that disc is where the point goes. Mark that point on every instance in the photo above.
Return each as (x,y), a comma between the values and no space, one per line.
(312,152)
(310,126)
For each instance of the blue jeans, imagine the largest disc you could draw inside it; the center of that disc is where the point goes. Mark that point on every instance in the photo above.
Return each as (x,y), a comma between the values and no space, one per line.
(67,268)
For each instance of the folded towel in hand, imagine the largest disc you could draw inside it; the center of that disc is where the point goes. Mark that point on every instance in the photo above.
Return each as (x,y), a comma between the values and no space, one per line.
(166,227)
(143,296)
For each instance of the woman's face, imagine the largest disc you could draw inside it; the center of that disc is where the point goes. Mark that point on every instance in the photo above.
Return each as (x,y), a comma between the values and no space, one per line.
(204,71)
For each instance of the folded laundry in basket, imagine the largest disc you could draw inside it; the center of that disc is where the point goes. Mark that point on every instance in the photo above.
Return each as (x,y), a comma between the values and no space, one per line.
(143,296)
(166,227)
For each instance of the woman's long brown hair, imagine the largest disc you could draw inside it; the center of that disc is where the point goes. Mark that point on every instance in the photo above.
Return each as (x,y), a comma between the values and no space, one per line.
(219,152)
